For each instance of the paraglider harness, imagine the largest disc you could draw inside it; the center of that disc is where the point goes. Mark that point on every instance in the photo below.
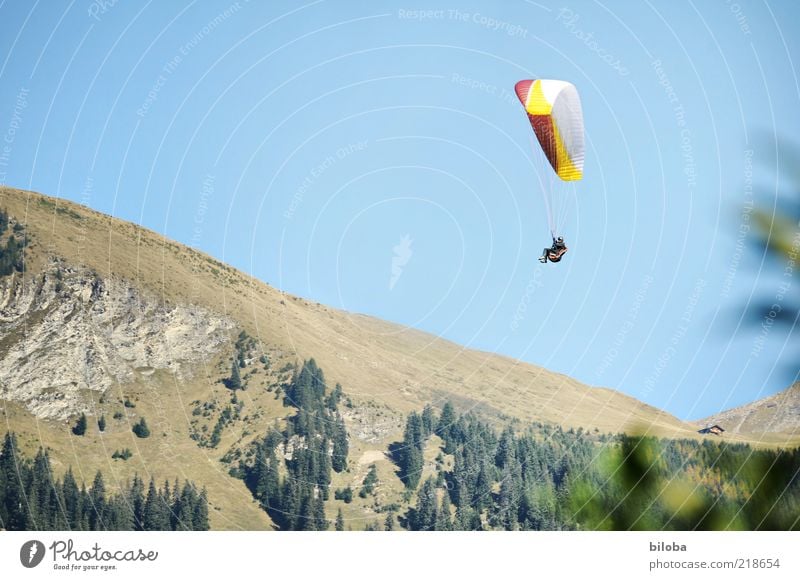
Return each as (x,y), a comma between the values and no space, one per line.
(555,252)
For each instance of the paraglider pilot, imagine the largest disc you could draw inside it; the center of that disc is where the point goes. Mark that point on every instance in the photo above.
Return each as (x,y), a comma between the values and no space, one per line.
(555,252)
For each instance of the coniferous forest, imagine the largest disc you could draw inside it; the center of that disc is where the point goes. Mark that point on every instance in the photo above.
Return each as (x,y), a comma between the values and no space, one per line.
(539,477)
(546,478)
(534,477)
(32,498)
(314,443)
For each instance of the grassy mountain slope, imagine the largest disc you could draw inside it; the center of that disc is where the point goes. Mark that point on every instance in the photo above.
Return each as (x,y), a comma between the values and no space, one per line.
(775,416)
(386,370)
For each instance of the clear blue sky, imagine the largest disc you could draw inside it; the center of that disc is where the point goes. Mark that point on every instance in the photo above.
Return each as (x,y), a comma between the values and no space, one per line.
(302,141)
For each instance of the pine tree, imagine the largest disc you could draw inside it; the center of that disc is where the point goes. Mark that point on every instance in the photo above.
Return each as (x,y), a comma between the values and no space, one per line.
(80,427)
(42,512)
(71,496)
(137,502)
(12,490)
(290,505)
(101,423)
(506,453)
(141,430)
(305,519)
(235,380)
(321,523)
(482,496)
(340,446)
(368,485)
(445,427)
(428,421)
(156,516)
(389,523)
(339,527)
(425,513)
(200,516)
(267,480)
(410,454)
(444,522)
(97,503)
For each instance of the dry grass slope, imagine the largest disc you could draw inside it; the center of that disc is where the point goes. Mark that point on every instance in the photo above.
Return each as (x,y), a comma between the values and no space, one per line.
(386,370)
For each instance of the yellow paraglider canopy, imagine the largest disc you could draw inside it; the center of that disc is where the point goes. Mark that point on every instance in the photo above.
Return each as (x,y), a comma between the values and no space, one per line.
(554,110)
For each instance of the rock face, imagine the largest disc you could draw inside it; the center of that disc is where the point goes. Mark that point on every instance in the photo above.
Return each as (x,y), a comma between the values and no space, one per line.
(68,332)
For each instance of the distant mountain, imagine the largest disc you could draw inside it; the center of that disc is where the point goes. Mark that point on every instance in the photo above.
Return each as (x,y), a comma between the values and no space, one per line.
(774,416)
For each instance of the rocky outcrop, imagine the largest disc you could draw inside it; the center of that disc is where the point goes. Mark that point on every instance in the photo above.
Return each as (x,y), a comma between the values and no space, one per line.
(69,332)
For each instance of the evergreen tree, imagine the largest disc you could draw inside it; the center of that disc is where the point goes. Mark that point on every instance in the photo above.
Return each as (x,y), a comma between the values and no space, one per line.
(305,519)
(444,522)
(137,502)
(235,381)
(428,421)
(72,501)
(340,446)
(200,516)
(97,503)
(12,490)
(506,453)
(339,527)
(290,505)
(368,485)
(389,523)
(425,514)
(267,484)
(411,458)
(80,427)
(156,517)
(101,423)
(141,429)
(320,521)
(444,428)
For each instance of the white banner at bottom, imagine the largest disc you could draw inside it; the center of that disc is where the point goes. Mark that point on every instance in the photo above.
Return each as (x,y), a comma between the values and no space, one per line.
(388,555)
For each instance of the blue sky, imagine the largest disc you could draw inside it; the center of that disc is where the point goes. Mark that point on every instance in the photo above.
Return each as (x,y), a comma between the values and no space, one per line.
(303,142)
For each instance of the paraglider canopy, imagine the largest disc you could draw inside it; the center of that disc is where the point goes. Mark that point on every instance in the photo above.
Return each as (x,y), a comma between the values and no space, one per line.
(554,110)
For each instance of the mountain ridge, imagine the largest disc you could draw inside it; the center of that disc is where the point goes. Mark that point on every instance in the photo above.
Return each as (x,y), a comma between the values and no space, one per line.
(100,296)
(187,278)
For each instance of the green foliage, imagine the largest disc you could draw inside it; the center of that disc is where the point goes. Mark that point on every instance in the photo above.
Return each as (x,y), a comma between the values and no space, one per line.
(425,514)
(318,442)
(141,430)
(234,382)
(368,485)
(123,454)
(687,485)
(227,416)
(339,527)
(345,494)
(32,498)
(409,453)
(101,423)
(80,426)
(12,248)
(546,478)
